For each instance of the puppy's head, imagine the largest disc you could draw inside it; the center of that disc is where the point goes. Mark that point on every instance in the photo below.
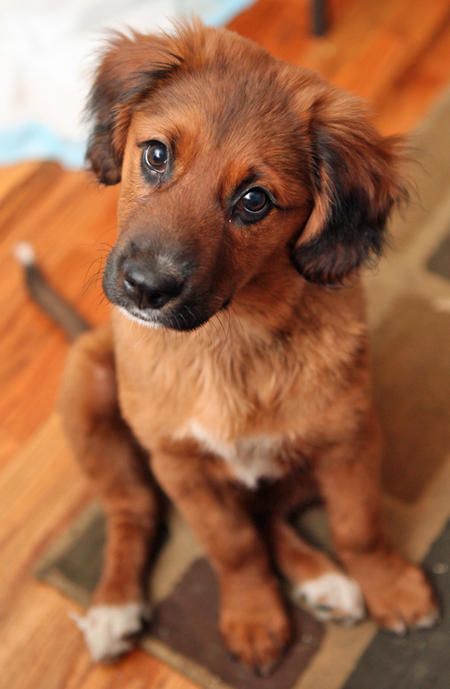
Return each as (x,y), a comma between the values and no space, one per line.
(234,166)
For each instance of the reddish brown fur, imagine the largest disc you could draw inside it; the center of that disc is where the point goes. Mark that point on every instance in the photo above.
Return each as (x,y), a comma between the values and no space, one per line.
(288,359)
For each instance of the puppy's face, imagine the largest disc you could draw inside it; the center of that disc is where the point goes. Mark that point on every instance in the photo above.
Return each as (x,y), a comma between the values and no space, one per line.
(213,186)
(234,166)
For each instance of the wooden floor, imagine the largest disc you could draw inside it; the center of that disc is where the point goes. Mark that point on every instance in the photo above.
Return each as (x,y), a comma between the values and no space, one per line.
(396,53)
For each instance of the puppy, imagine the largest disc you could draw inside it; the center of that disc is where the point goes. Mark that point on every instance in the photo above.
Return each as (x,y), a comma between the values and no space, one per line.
(249,189)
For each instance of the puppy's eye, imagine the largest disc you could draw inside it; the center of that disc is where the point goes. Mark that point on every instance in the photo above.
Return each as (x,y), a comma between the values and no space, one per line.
(255,200)
(155,157)
(253,205)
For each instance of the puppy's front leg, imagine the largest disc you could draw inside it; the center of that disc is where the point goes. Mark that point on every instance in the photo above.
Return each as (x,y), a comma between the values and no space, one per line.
(252,617)
(397,593)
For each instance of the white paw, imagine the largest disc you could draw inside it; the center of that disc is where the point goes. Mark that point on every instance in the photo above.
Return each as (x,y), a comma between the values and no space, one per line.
(111,630)
(333,596)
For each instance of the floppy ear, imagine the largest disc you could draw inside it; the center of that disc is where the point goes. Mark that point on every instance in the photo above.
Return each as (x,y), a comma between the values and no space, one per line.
(130,68)
(355,181)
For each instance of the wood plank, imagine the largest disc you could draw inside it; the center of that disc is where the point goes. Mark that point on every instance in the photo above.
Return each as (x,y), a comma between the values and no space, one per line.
(387,54)
(73,259)
(416,89)
(379,51)
(11,176)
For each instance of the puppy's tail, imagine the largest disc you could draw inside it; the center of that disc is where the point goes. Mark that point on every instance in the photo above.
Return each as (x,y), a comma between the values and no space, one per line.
(40,290)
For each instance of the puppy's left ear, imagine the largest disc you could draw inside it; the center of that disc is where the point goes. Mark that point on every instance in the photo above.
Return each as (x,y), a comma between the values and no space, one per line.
(131,68)
(355,181)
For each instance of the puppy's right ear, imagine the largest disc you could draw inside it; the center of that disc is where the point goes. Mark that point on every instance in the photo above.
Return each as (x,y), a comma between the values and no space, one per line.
(130,68)
(356,181)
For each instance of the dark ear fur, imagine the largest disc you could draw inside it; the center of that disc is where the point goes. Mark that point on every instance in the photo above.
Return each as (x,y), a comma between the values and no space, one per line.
(355,182)
(130,68)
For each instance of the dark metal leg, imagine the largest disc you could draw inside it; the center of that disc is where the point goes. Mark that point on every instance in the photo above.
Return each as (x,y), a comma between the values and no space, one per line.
(319,17)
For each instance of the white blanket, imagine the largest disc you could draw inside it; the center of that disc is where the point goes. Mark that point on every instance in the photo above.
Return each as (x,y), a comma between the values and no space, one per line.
(47,52)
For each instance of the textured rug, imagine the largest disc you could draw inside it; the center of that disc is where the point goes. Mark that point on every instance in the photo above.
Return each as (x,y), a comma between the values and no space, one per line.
(409,313)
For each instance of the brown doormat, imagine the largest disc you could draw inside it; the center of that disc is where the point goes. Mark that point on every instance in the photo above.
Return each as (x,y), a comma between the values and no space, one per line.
(184,631)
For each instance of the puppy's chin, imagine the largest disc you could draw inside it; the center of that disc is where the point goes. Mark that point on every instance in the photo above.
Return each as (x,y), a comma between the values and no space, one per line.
(137,318)
(182,320)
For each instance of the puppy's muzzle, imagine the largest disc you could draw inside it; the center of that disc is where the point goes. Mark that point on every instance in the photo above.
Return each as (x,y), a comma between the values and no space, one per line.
(159,282)
(151,280)
(149,285)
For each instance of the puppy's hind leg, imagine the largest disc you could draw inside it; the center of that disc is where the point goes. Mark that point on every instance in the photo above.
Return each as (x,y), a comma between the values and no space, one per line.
(109,455)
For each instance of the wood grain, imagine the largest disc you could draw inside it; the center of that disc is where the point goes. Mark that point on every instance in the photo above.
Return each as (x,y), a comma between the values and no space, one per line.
(396,53)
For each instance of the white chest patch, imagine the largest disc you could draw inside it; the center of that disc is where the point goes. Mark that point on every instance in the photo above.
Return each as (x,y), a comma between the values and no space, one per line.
(250,459)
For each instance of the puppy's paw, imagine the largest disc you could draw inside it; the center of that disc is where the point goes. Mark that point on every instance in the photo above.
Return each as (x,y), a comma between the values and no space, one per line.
(333,596)
(112,630)
(256,632)
(404,602)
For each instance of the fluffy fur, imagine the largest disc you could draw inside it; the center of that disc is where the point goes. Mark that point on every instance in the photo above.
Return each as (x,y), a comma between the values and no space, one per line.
(258,358)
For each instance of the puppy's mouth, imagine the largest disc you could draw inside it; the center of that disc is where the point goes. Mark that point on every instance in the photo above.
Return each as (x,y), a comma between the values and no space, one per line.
(140,317)
(184,318)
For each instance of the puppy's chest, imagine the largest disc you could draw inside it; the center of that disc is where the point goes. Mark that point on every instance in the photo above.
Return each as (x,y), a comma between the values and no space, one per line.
(249,459)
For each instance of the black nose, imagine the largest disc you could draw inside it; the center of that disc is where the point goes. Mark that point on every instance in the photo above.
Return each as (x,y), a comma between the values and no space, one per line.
(147,286)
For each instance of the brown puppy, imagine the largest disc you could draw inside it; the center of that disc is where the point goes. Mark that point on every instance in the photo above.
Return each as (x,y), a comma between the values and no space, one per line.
(248,188)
